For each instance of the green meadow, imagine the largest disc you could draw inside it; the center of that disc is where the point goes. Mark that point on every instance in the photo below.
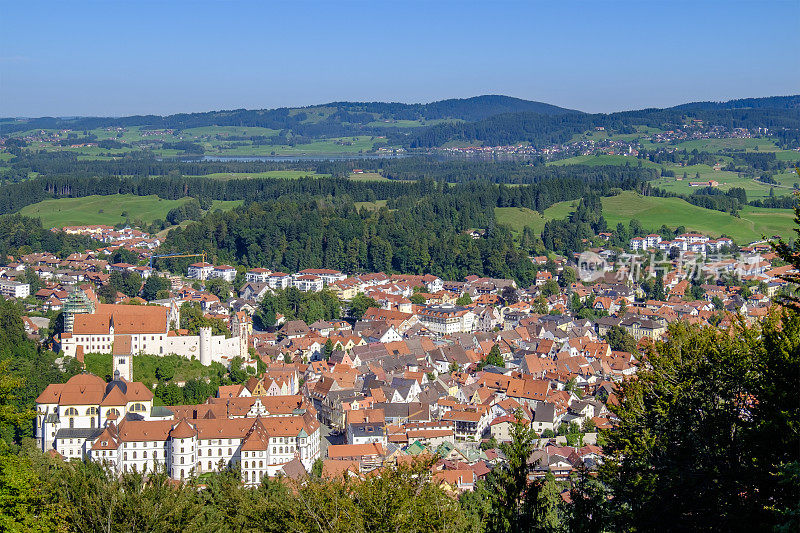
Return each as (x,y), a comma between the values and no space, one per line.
(653,211)
(100,209)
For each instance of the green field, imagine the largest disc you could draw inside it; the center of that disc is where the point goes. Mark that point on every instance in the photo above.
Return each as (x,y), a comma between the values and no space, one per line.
(367,176)
(604,160)
(371,206)
(727,180)
(652,212)
(787,155)
(100,209)
(279,174)
(719,145)
(519,217)
(225,205)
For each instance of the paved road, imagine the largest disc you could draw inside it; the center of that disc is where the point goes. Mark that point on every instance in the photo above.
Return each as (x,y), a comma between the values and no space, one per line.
(329,438)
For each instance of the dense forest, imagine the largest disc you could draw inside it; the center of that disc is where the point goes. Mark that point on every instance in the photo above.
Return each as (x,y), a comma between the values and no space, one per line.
(413,233)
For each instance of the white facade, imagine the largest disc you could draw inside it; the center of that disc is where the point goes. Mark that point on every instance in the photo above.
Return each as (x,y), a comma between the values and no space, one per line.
(14,289)
(200,271)
(446,319)
(228,273)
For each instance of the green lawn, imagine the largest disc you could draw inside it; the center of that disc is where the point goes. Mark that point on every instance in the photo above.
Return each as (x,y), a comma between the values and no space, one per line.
(652,212)
(100,209)
(225,205)
(519,217)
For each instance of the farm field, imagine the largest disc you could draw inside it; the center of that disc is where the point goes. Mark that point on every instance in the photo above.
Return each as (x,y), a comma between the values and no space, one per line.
(727,180)
(100,209)
(721,145)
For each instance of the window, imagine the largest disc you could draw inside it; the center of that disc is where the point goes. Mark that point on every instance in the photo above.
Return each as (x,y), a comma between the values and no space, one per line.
(92,411)
(138,407)
(71,412)
(144,455)
(134,455)
(229,451)
(200,452)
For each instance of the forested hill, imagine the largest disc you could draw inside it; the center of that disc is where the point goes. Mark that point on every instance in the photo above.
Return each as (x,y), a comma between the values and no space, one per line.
(469,109)
(488,120)
(770,102)
(350,116)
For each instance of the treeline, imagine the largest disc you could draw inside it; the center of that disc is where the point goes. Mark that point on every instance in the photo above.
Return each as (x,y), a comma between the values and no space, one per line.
(549,180)
(21,235)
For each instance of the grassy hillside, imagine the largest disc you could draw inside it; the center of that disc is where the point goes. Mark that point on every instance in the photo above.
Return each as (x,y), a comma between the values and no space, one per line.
(100,209)
(652,212)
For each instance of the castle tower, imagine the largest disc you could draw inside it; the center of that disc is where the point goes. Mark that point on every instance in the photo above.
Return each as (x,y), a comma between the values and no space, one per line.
(122,366)
(205,346)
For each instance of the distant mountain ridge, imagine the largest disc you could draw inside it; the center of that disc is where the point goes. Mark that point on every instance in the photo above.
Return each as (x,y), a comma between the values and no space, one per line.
(493,119)
(769,102)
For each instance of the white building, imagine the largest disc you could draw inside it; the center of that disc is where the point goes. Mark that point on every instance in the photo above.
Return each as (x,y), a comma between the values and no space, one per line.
(446,319)
(279,280)
(260,446)
(14,289)
(258,275)
(226,272)
(328,276)
(308,283)
(68,415)
(138,329)
(201,271)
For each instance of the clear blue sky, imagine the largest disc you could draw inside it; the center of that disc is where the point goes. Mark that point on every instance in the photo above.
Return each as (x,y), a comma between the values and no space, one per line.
(120,58)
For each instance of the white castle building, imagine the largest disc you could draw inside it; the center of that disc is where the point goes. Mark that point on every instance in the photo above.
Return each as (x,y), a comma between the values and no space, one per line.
(123,330)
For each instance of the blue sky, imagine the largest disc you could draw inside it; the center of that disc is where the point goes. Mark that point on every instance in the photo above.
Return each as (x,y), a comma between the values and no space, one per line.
(120,58)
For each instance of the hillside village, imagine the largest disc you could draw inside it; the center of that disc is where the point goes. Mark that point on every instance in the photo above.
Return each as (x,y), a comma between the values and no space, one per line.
(430,368)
